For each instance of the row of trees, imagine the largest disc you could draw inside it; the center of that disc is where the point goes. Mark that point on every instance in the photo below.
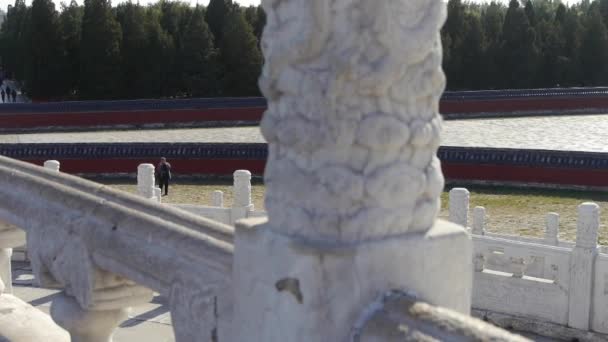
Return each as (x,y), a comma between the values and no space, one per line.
(97,51)
(171,49)
(532,43)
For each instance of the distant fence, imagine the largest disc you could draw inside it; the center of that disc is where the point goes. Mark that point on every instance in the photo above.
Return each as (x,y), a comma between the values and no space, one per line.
(544,279)
(233,111)
(460,164)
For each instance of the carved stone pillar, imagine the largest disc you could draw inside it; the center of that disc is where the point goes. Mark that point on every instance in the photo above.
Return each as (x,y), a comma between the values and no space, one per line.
(242,195)
(146,186)
(10,237)
(352,178)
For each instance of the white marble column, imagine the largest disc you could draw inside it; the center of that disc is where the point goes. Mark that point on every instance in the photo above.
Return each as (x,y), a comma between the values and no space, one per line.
(352,179)
(241,203)
(459,206)
(146,186)
(52,165)
(582,263)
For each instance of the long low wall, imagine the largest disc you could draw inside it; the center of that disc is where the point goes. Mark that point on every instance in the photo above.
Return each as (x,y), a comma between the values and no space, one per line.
(460,164)
(230,111)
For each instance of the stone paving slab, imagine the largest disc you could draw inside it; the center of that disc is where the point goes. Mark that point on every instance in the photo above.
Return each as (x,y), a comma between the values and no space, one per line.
(150,322)
(577,133)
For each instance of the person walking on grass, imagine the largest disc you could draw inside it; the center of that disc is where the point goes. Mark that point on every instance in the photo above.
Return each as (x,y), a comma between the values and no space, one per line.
(163,173)
(14,93)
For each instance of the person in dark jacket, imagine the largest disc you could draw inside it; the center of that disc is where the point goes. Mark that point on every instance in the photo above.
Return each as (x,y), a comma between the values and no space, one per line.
(14,93)
(8,94)
(2,94)
(163,174)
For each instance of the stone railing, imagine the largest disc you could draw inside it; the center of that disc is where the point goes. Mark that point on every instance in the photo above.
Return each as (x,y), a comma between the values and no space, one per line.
(109,250)
(242,205)
(545,279)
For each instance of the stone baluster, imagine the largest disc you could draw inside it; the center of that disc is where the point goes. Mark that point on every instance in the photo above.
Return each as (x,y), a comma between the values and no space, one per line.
(53,165)
(479,221)
(97,321)
(582,262)
(459,206)
(479,262)
(518,266)
(352,180)
(217,199)
(241,204)
(10,237)
(146,186)
(552,229)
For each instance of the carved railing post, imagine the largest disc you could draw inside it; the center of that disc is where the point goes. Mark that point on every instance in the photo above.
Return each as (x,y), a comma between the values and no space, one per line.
(582,263)
(479,221)
(10,237)
(352,179)
(146,186)
(459,206)
(552,229)
(242,195)
(217,199)
(53,165)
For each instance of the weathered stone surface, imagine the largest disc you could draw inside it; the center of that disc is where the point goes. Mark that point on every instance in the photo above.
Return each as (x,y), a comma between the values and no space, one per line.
(293,290)
(97,243)
(538,327)
(352,122)
(21,322)
(399,317)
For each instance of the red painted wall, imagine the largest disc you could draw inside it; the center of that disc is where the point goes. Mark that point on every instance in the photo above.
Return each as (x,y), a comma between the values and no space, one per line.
(84,119)
(452,171)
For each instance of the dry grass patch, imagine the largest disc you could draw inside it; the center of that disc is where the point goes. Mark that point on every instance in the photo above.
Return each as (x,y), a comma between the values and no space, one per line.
(510,211)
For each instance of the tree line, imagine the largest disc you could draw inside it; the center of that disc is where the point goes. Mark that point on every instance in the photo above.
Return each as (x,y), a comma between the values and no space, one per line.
(527,44)
(97,51)
(171,49)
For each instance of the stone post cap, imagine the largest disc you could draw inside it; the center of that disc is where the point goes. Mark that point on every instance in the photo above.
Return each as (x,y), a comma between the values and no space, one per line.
(146,166)
(587,225)
(52,165)
(242,174)
(460,192)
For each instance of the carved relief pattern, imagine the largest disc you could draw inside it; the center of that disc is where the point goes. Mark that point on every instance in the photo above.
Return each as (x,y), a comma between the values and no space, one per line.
(352,123)
(193,311)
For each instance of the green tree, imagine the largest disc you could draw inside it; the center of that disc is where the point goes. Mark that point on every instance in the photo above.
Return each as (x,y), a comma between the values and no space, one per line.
(70,23)
(594,51)
(198,58)
(519,51)
(473,52)
(131,18)
(100,52)
(12,39)
(453,35)
(217,12)
(530,13)
(43,57)
(159,50)
(241,57)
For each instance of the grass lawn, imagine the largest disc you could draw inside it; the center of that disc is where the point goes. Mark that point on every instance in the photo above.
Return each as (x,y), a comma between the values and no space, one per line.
(510,211)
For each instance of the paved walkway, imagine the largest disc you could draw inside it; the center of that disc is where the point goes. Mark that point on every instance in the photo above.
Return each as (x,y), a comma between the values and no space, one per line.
(581,133)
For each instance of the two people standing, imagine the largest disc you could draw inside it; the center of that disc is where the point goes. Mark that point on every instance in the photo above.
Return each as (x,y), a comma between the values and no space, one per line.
(8,94)
(163,174)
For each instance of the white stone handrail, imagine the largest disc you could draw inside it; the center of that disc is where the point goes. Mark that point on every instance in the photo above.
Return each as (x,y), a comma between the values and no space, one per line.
(100,245)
